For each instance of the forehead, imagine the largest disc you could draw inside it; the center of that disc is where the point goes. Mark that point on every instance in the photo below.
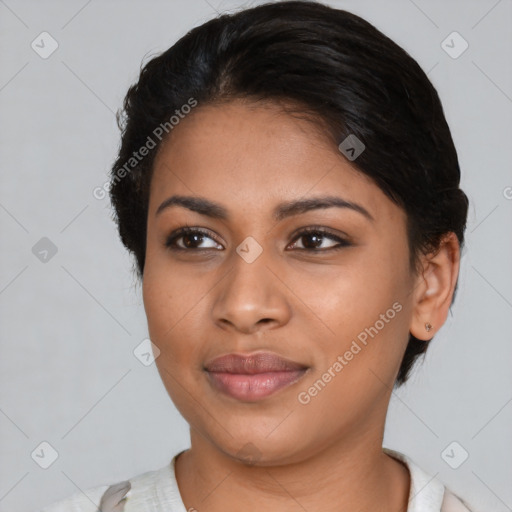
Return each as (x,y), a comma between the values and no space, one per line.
(252,156)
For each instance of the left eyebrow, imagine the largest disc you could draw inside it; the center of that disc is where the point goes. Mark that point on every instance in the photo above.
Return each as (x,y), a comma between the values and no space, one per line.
(282,211)
(290,208)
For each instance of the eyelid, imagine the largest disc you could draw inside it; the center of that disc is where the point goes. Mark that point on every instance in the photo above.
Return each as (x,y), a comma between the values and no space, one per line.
(342,240)
(175,235)
(336,234)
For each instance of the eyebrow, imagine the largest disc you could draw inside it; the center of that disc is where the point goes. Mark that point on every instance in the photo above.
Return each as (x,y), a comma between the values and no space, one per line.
(282,211)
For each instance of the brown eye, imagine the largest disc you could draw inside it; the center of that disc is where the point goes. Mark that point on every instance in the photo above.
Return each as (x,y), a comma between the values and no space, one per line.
(190,238)
(314,238)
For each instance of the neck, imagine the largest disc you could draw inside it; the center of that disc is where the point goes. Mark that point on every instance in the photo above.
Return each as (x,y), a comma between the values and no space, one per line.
(351,474)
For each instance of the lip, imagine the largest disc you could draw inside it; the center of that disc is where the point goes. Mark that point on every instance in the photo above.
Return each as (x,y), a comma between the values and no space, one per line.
(250,364)
(252,377)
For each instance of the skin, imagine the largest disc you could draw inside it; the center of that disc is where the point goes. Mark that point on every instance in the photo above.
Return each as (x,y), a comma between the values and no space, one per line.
(304,306)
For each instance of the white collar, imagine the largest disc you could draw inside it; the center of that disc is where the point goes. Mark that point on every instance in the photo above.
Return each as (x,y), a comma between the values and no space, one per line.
(426,492)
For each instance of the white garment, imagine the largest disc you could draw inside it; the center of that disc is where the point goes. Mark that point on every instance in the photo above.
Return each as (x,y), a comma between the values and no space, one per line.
(157,491)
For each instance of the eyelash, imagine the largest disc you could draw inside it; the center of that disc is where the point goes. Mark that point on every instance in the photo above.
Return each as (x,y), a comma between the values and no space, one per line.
(187,230)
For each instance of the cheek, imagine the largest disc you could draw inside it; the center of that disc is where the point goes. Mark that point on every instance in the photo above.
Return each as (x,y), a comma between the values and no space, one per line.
(351,296)
(174,306)
(363,305)
(168,295)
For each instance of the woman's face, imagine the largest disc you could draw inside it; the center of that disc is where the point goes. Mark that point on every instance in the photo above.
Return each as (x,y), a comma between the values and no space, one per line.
(339,303)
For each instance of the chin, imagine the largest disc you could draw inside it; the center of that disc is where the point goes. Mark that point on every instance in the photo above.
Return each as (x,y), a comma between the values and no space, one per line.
(261,449)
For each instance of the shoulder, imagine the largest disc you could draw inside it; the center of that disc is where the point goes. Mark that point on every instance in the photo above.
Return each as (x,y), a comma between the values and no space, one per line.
(125,496)
(87,501)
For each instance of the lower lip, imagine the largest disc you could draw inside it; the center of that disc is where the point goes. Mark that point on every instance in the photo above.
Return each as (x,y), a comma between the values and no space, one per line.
(253,387)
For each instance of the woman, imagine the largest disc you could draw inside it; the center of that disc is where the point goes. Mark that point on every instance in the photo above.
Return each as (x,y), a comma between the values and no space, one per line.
(289,187)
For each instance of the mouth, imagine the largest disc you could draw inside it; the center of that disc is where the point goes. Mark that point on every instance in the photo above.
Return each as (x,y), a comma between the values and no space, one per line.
(253,377)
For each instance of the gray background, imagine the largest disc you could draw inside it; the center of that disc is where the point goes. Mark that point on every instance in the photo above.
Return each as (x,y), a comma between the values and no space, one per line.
(69,325)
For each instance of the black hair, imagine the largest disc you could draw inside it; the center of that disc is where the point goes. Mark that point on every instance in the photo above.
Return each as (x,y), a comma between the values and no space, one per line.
(333,66)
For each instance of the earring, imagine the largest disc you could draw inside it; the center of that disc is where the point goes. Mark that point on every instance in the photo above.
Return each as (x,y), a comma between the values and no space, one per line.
(428,326)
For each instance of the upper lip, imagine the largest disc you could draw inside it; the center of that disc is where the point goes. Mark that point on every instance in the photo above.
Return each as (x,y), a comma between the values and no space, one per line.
(261,362)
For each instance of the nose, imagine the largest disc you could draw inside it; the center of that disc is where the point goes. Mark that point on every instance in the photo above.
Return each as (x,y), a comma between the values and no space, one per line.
(251,297)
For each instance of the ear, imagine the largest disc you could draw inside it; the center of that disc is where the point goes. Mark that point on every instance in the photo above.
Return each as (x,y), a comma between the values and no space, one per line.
(434,288)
